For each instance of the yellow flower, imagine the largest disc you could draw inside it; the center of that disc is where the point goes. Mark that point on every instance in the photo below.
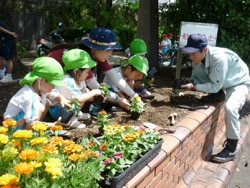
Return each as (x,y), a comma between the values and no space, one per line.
(23,134)
(8,179)
(103,112)
(4,139)
(131,136)
(3,130)
(50,148)
(72,148)
(39,141)
(9,153)
(40,127)
(74,157)
(57,141)
(24,168)
(29,154)
(56,128)
(53,166)
(36,164)
(9,122)
(15,143)
(68,142)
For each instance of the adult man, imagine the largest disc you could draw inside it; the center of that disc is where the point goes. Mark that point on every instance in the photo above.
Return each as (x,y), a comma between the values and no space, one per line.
(7,41)
(214,69)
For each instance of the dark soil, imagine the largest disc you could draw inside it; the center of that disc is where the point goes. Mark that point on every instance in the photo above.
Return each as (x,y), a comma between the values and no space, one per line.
(157,110)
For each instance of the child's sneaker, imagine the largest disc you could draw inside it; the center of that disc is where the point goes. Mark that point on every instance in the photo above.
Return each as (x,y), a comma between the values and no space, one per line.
(74,123)
(83,116)
(6,78)
(146,94)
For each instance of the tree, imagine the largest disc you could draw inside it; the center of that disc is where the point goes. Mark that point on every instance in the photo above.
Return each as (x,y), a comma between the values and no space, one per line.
(232,16)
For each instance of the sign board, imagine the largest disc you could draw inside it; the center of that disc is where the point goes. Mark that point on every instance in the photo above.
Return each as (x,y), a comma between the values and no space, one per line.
(188,28)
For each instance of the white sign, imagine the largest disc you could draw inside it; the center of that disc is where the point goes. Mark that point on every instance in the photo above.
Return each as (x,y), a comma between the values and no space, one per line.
(188,28)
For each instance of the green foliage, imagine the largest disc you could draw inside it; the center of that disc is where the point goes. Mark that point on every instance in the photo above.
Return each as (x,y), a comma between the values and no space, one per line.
(231,16)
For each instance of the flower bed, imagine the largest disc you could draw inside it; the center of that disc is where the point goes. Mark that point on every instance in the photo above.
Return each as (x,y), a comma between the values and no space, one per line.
(32,158)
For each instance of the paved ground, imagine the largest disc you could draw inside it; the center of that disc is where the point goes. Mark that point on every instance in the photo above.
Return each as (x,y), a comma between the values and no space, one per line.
(241,178)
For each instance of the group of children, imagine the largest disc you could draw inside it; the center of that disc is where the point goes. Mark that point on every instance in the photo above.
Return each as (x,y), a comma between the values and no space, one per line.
(68,73)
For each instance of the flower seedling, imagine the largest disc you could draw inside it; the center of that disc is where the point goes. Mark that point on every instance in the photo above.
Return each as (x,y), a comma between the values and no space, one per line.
(105,89)
(75,105)
(136,104)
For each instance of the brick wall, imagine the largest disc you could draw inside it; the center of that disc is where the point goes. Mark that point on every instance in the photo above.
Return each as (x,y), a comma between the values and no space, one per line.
(183,151)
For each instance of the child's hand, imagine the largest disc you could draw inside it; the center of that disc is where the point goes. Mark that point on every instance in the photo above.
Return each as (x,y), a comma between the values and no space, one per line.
(124,103)
(96,91)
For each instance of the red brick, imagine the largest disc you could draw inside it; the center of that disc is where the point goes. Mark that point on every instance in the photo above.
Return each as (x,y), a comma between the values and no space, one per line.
(169,166)
(157,160)
(216,183)
(181,133)
(155,181)
(182,184)
(200,117)
(170,143)
(146,180)
(190,123)
(138,177)
(230,166)
(178,173)
(173,170)
(174,153)
(162,165)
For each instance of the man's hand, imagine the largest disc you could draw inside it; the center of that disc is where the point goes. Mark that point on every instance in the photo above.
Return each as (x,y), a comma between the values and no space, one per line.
(189,86)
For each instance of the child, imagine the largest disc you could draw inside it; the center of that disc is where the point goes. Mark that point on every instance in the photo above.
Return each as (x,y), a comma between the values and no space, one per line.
(29,104)
(77,64)
(135,68)
(139,47)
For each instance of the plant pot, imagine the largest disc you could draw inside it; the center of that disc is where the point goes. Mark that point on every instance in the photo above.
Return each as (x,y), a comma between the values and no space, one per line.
(66,115)
(121,179)
(135,115)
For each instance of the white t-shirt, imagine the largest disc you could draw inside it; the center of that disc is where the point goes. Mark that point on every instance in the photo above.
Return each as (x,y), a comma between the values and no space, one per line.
(25,100)
(108,81)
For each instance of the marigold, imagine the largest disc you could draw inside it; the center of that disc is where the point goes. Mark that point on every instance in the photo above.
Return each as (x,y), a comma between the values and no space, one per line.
(68,142)
(9,122)
(49,148)
(74,157)
(4,139)
(36,164)
(72,148)
(23,134)
(29,154)
(24,168)
(39,141)
(8,179)
(40,127)
(9,153)
(56,128)
(3,130)
(15,143)
(53,166)
(56,140)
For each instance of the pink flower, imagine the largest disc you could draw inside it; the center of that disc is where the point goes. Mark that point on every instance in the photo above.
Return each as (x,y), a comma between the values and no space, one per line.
(108,160)
(118,154)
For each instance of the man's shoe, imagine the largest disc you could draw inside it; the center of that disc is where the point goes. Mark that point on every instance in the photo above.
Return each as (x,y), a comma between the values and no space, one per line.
(219,96)
(228,153)
(6,79)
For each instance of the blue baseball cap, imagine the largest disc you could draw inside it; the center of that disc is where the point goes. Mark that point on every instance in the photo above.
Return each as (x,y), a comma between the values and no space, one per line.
(195,43)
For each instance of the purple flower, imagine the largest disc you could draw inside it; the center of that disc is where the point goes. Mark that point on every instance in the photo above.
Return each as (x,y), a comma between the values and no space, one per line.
(108,160)
(118,154)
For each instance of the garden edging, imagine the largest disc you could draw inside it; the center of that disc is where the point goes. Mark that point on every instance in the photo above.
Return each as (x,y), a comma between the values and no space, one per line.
(182,153)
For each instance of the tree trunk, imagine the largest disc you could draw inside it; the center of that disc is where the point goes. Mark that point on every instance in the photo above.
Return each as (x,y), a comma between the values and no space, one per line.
(147,29)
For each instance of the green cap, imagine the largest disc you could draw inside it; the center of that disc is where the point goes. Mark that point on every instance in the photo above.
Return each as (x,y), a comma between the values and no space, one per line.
(77,58)
(138,47)
(47,68)
(139,62)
